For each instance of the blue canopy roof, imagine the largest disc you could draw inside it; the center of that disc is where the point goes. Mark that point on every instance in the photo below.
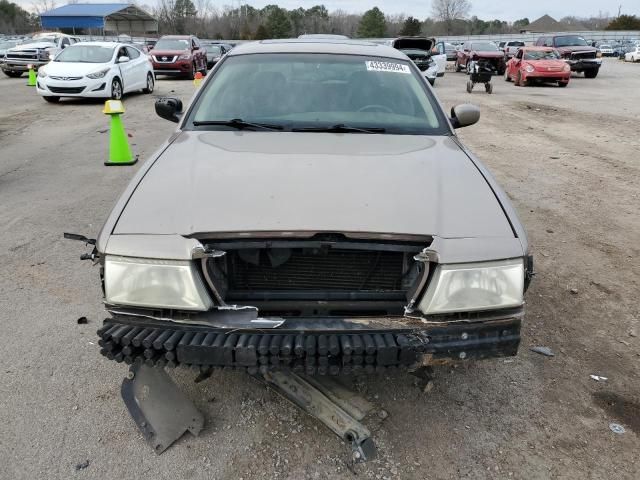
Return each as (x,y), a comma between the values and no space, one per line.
(90,15)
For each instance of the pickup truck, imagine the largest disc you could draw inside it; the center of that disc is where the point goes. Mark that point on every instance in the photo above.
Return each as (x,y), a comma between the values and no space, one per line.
(511,48)
(36,52)
(575,50)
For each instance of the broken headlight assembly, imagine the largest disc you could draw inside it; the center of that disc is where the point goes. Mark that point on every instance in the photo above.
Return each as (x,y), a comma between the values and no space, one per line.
(467,287)
(144,282)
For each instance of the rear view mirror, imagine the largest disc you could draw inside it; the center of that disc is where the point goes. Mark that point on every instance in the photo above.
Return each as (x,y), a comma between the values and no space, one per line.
(464,115)
(169,108)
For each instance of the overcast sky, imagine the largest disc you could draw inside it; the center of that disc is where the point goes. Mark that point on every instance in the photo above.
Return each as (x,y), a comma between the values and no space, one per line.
(485,9)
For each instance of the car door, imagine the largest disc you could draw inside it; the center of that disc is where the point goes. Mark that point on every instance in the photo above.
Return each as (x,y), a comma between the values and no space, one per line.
(516,63)
(200,53)
(127,70)
(440,57)
(466,53)
(138,66)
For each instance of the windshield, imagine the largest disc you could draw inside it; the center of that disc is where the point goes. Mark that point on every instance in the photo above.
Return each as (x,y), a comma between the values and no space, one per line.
(171,44)
(320,90)
(40,40)
(570,41)
(484,46)
(85,54)
(213,49)
(541,55)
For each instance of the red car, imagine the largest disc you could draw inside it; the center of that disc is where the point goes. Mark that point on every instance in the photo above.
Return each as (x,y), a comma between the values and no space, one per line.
(179,55)
(480,50)
(537,64)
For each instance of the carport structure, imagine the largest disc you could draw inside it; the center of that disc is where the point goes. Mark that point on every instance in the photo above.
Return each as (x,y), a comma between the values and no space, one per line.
(105,17)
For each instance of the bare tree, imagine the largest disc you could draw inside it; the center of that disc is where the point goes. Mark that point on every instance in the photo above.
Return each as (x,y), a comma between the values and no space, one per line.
(41,6)
(448,11)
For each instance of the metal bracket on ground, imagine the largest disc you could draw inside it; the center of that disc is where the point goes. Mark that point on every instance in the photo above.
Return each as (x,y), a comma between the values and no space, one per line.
(324,398)
(161,410)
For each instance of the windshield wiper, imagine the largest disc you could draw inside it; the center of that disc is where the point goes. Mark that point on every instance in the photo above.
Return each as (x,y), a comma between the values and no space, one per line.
(340,128)
(238,123)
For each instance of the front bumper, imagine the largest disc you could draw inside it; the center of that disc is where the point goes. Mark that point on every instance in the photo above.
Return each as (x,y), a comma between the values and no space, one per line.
(551,76)
(311,346)
(586,64)
(21,65)
(182,67)
(85,87)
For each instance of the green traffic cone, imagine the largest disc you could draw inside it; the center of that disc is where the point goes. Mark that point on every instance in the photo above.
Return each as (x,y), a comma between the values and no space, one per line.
(119,151)
(32,77)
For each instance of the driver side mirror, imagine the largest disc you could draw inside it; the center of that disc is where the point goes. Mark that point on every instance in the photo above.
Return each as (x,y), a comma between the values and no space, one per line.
(123,59)
(169,108)
(464,115)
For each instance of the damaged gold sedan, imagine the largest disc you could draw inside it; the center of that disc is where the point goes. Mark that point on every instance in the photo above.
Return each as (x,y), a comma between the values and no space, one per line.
(314,214)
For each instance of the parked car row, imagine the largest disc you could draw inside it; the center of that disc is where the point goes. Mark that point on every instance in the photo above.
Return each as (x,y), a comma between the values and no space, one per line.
(182,55)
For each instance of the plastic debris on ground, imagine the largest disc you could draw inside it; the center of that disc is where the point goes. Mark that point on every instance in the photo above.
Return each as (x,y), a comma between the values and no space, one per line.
(546,351)
(616,428)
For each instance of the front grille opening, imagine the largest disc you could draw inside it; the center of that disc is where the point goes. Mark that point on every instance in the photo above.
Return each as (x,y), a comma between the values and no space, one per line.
(317,280)
(315,269)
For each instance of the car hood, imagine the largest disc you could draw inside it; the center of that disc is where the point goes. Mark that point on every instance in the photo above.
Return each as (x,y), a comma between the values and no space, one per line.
(71,69)
(487,54)
(546,63)
(576,48)
(221,181)
(33,46)
(419,43)
(169,53)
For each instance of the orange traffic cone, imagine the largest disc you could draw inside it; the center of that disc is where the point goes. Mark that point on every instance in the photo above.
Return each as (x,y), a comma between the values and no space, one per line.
(197,80)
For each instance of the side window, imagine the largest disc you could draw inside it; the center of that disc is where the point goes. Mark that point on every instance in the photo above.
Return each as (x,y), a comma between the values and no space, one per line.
(519,54)
(65,42)
(132,53)
(122,52)
(194,44)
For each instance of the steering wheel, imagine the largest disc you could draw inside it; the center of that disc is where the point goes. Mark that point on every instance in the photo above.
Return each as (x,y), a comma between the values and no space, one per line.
(375,107)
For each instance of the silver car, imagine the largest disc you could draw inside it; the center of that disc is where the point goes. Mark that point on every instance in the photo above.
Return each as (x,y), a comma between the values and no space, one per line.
(313,212)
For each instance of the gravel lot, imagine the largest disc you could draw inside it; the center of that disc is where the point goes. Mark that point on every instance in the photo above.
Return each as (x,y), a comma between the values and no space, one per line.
(567,157)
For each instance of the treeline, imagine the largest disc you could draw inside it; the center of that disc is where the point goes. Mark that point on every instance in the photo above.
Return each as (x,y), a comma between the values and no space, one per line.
(245,22)
(14,19)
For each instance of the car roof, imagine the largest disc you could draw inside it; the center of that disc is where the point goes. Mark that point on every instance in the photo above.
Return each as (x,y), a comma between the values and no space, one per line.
(102,44)
(315,45)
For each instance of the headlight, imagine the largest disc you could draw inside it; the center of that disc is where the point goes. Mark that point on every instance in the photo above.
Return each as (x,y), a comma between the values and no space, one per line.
(185,56)
(99,74)
(567,67)
(469,287)
(41,73)
(530,68)
(142,282)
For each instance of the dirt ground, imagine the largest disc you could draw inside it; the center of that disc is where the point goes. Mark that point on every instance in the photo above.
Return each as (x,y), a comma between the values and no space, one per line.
(567,157)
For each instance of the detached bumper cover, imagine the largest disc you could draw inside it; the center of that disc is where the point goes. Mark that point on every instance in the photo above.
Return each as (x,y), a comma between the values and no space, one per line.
(135,340)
